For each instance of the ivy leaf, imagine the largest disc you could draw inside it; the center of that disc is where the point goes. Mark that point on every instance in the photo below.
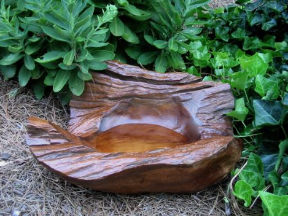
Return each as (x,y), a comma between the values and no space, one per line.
(275,205)
(240,111)
(269,24)
(243,191)
(239,34)
(283,146)
(239,80)
(285,99)
(222,33)
(254,65)
(263,85)
(267,112)
(252,174)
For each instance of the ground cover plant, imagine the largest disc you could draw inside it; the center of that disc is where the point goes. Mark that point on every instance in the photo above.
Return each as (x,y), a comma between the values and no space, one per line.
(53,46)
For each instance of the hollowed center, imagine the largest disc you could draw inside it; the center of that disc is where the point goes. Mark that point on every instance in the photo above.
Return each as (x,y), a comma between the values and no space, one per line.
(137,138)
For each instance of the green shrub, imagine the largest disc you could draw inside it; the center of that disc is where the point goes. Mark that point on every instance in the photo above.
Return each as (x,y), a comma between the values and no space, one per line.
(54,42)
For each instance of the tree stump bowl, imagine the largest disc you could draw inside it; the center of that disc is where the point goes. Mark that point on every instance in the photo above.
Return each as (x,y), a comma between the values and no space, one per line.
(137,131)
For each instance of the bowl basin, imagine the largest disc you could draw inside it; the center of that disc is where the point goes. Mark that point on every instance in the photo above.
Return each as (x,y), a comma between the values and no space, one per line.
(136,131)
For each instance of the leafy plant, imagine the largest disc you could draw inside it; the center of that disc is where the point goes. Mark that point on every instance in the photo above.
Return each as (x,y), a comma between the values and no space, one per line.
(55,43)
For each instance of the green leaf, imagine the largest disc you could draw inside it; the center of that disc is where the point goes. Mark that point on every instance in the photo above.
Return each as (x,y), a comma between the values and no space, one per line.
(276,205)
(280,45)
(8,71)
(49,80)
(160,44)
(32,48)
(243,191)
(285,99)
(267,112)
(134,52)
(102,55)
(269,24)
(117,27)
(283,146)
(161,63)
(59,35)
(39,90)
(29,62)
(97,65)
(239,34)
(192,70)
(69,57)
(24,76)
(176,61)
(172,44)
(252,174)
(263,85)
(76,84)
(130,36)
(10,59)
(240,111)
(254,65)
(61,79)
(147,58)
(239,80)
(84,76)
(192,31)
(222,33)
(50,57)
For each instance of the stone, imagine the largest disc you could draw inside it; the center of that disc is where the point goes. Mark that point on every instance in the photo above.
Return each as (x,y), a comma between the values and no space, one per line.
(137,131)
(5,156)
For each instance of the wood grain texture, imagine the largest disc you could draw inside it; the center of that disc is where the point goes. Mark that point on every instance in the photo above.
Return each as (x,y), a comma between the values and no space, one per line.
(136,131)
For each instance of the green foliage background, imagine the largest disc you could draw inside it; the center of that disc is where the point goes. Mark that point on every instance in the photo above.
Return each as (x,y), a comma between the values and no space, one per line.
(54,44)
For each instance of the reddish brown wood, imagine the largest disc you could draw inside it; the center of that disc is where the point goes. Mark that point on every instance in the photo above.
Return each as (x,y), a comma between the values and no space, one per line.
(135,131)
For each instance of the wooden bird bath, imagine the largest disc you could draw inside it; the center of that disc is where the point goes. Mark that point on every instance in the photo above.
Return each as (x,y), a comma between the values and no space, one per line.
(135,131)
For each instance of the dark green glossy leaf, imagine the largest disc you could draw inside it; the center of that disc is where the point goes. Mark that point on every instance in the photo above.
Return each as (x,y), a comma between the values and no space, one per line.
(29,62)
(267,112)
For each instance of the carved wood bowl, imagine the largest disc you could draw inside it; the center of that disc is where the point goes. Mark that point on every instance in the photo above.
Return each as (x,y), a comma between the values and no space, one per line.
(135,131)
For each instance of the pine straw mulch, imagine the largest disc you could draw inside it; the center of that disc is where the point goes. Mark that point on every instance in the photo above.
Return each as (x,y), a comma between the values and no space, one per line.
(28,188)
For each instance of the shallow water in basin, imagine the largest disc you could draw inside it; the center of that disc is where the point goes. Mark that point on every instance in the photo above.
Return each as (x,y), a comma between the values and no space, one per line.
(137,138)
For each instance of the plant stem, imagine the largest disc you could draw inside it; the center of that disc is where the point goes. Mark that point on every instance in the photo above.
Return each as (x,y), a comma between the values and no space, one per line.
(284,131)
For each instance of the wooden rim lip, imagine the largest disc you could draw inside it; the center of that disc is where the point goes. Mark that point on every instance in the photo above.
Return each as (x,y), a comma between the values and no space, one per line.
(70,152)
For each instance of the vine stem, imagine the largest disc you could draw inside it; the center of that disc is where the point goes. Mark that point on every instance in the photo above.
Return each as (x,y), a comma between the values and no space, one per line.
(284,131)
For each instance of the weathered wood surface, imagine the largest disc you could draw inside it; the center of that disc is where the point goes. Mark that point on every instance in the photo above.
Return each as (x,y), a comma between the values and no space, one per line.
(135,131)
